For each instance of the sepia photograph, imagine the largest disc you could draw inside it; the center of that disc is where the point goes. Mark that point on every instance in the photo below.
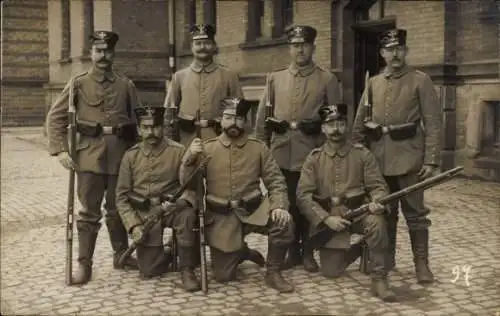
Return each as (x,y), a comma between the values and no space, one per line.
(250,157)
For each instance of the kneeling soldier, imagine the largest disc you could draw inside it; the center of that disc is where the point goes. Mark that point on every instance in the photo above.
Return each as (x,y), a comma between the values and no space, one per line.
(235,204)
(150,170)
(339,173)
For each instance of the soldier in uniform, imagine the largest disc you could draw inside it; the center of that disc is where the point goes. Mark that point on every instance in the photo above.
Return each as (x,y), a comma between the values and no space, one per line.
(201,86)
(235,205)
(296,94)
(104,101)
(150,170)
(405,138)
(335,177)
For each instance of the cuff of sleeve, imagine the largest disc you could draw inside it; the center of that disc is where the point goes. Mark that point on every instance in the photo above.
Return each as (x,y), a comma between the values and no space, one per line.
(321,215)
(129,225)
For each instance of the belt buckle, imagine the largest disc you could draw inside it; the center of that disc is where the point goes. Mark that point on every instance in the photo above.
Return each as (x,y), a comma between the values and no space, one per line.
(335,201)
(107,130)
(293,125)
(234,204)
(385,129)
(203,123)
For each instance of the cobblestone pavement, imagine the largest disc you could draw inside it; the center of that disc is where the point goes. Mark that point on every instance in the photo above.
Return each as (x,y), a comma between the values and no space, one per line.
(464,258)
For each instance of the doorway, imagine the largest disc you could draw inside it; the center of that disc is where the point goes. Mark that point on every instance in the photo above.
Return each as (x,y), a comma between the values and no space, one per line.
(366,51)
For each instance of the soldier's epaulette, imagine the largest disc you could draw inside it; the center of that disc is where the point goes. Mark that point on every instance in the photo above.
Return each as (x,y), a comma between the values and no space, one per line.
(173,143)
(359,146)
(256,140)
(323,68)
(280,68)
(316,150)
(210,140)
(135,147)
(75,77)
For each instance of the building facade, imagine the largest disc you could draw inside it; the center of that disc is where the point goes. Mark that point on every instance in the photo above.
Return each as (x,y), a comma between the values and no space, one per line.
(456,42)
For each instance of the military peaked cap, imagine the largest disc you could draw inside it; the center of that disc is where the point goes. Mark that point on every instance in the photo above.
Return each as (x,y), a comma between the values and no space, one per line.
(333,112)
(104,37)
(394,37)
(241,105)
(149,112)
(301,34)
(202,31)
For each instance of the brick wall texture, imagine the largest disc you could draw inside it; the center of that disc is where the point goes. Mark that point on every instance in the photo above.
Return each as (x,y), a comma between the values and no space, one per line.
(25,62)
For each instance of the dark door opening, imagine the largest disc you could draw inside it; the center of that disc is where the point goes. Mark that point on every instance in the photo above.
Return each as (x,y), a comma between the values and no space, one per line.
(366,51)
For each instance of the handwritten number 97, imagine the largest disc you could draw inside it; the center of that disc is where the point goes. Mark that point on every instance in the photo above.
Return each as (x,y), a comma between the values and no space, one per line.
(458,270)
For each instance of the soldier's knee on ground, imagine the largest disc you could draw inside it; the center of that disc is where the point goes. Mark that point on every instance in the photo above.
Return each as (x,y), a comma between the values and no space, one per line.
(331,262)
(224,264)
(184,227)
(282,234)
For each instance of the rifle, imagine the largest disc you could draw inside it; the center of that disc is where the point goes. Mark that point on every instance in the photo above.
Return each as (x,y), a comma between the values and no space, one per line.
(145,203)
(325,234)
(200,193)
(372,130)
(71,186)
(269,112)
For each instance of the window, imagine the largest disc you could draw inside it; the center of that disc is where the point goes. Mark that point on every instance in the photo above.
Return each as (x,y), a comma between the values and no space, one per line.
(88,26)
(210,12)
(283,16)
(190,21)
(65,30)
(255,18)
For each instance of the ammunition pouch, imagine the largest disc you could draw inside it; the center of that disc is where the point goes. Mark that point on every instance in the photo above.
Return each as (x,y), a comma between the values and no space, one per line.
(91,129)
(244,206)
(396,132)
(403,131)
(188,125)
(373,130)
(276,126)
(310,127)
(125,131)
(139,202)
(351,200)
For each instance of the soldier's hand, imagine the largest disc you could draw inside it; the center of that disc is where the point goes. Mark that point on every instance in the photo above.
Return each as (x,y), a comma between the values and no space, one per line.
(280,216)
(376,208)
(66,161)
(196,146)
(336,223)
(166,205)
(137,233)
(426,172)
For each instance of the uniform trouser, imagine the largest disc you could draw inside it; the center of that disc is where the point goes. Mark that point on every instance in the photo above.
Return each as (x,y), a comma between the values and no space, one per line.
(151,256)
(92,188)
(412,207)
(302,226)
(373,227)
(224,264)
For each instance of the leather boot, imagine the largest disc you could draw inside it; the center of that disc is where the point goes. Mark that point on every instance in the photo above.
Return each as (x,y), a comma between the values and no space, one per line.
(87,236)
(274,279)
(308,261)
(380,288)
(119,243)
(392,231)
(420,247)
(253,256)
(293,256)
(186,265)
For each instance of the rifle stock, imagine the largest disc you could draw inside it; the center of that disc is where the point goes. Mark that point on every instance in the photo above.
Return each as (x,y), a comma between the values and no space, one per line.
(325,234)
(71,185)
(200,194)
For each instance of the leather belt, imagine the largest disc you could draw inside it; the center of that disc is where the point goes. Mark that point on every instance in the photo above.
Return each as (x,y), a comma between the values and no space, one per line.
(108,130)
(293,125)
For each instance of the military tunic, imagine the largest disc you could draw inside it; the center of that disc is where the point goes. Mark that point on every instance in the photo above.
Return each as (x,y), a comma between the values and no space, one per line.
(336,172)
(101,97)
(403,97)
(298,95)
(203,88)
(151,173)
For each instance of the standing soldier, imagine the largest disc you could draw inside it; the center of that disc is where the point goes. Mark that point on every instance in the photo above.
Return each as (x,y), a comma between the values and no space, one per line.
(106,128)
(340,176)
(201,86)
(293,129)
(403,129)
(234,201)
(150,170)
